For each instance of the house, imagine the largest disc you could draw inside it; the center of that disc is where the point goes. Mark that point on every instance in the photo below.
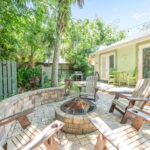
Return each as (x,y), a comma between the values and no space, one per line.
(63,67)
(125,56)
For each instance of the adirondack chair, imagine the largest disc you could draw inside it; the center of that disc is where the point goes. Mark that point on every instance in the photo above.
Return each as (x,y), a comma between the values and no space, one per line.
(31,137)
(131,80)
(138,98)
(123,138)
(89,90)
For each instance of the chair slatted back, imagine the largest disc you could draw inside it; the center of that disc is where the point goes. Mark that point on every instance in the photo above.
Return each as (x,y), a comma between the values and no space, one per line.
(91,82)
(142,90)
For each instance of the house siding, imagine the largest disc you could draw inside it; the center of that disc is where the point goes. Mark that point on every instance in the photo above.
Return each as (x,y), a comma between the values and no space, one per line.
(126,58)
(97,64)
(128,55)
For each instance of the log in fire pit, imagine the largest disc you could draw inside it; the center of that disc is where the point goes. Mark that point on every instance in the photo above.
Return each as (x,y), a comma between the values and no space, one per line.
(75,113)
(78,106)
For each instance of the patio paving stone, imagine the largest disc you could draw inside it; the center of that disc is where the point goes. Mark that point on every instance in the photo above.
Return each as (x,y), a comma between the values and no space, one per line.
(45,114)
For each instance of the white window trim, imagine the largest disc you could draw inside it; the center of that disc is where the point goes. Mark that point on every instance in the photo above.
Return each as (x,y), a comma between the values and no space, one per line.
(107,63)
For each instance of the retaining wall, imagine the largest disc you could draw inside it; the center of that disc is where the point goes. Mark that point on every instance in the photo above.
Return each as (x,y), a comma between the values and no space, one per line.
(25,101)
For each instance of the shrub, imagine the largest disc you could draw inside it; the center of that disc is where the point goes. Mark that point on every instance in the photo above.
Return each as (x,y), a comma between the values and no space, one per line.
(29,78)
(47,83)
(64,75)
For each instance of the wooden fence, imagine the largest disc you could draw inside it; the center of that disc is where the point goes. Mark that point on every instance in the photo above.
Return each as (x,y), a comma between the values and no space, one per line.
(8,78)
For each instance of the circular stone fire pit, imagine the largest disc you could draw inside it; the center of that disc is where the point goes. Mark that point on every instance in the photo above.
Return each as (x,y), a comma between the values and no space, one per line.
(76,113)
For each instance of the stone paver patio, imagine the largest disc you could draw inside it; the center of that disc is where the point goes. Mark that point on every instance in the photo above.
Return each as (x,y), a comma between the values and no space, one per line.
(45,114)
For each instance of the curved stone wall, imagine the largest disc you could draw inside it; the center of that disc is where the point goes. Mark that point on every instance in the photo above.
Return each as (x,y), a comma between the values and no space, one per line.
(25,101)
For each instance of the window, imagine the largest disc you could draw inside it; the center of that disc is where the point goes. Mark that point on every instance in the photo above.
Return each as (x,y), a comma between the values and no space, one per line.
(146,62)
(111,61)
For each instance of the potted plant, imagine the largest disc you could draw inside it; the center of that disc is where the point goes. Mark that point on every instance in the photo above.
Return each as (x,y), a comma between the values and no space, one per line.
(68,85)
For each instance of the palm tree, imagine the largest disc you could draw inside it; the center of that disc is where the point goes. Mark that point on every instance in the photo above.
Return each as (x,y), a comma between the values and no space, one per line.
(64,7)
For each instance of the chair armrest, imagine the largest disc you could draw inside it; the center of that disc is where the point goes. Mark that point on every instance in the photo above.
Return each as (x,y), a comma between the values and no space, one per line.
(96,89)
(138,99)
(108,133)
(120,92)
(44,135)
(135,112)
(15,116)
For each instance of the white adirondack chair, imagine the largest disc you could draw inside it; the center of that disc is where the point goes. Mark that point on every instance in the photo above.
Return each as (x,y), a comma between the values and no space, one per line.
(89,90)
(138,98)
(123,138)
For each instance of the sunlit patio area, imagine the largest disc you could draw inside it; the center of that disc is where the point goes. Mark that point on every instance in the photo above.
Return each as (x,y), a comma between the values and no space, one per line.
(45,114)
(74,75)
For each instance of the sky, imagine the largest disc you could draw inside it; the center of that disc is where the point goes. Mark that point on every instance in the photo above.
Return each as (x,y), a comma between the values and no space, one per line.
(126,14)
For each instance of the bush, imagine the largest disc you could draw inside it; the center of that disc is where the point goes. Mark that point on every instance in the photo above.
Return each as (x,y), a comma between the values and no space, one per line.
(112,71)
(90,73)
(64,75)
(29,78)
(47,83)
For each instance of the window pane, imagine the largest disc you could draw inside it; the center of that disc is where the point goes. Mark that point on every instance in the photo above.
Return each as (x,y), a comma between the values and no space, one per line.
(146,63)
(111,61)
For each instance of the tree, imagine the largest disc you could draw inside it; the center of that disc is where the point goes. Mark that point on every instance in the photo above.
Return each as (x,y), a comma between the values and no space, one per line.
(83,37)
(145,26)
(27,30)
(62,20)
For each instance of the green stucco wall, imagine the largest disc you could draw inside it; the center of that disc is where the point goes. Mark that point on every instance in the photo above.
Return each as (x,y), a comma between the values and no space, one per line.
(126,58)
(97,63)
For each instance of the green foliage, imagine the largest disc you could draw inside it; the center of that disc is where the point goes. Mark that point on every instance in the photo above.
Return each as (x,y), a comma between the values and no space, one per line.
(27,30)
(29,33)
(63,75)
(25,75)
(135,73)
(75,87)
(111,71)
(47,83)
(83,37)
(145,27)
(89,73)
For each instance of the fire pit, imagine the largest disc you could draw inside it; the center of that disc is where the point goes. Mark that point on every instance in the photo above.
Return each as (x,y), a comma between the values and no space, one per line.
(78,106)
(75,113)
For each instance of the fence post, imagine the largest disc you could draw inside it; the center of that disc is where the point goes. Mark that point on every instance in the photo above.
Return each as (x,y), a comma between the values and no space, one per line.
(1,83)
(8,78)
(14,77)
(5,78)
(42,77)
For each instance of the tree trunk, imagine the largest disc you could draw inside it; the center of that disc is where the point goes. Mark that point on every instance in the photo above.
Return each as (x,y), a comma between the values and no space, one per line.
(63,16)
(61,21)
(56,63)
(31,61)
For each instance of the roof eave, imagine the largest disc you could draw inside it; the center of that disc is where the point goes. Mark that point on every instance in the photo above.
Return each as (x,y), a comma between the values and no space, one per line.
(112,47)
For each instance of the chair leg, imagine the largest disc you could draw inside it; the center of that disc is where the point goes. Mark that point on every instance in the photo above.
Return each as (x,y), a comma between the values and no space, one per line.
(24,121)
(124,118)
(51,144)
(138,123)
(5,146)
(101,143)
(126,115)
(112,108)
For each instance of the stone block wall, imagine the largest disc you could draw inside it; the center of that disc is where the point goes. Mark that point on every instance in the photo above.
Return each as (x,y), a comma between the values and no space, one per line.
(25,101)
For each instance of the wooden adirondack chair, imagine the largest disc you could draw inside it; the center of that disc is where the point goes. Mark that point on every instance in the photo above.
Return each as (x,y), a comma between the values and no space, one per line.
(139,98)
(89,90)
(124,138)
(31,138)
(131,80)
